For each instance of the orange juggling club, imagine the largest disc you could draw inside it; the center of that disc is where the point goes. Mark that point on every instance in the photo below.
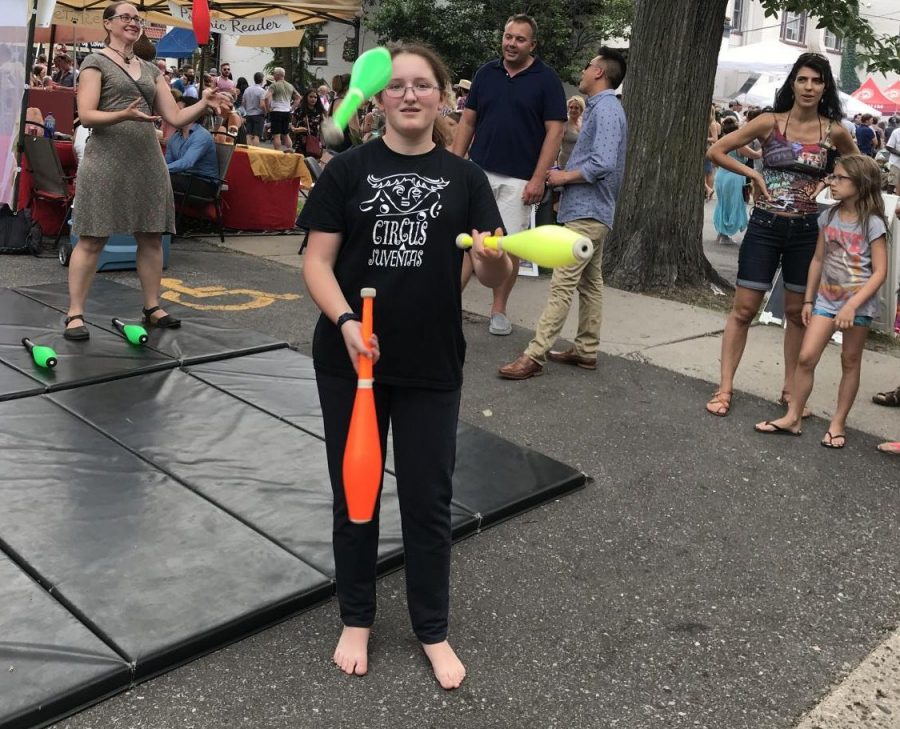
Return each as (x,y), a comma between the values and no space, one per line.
(363,465)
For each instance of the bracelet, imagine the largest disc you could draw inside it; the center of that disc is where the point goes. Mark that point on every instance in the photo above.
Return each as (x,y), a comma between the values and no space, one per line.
(344,318)
(808,302)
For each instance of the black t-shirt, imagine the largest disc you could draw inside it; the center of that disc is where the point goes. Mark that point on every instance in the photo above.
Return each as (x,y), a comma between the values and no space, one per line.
(399,216)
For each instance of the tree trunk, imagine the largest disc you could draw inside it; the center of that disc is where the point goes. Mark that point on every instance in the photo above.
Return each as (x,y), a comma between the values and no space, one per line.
(657,241)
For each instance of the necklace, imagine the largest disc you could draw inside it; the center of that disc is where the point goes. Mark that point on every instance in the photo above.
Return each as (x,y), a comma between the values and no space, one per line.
(128,58)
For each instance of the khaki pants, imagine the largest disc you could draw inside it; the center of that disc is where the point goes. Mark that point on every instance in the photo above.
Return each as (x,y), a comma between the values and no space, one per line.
(587,278)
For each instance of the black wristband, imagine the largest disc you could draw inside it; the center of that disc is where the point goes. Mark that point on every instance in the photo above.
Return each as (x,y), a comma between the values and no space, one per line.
(344,318)
(809,302)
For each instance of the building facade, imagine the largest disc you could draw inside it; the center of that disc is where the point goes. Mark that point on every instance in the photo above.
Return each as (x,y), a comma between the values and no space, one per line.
(748,25)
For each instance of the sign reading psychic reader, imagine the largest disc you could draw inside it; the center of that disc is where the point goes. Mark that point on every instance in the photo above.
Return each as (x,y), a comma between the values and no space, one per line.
(239,26)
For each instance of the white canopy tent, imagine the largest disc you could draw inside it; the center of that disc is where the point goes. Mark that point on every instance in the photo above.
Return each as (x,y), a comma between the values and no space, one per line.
(767,57)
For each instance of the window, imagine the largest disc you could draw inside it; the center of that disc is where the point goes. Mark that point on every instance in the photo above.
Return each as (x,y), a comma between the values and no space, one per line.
(320,50)
(737,16)
(833,42)
(793,27)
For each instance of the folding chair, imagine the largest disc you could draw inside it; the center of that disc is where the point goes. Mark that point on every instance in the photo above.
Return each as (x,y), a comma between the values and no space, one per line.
(50,182)
(200,195)
(315,169)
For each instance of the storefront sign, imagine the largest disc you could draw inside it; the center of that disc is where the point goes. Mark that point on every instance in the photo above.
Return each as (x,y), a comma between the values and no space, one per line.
(238,26)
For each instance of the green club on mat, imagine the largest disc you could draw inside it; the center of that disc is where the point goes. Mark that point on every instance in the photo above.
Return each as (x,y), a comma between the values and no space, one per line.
(42,356)
(134,333)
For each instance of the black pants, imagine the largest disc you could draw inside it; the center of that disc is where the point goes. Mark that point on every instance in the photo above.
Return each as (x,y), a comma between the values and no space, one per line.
(424,428)
(200,187)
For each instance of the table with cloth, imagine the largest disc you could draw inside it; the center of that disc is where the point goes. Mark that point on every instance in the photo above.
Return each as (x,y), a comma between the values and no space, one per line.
(263,189)
(49,215)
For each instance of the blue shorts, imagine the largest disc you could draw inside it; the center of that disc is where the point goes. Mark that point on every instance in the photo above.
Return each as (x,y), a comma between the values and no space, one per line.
(858,321)
(771,240)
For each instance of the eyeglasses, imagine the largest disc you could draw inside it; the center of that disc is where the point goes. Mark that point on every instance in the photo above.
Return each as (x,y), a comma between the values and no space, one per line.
(137,19)
(834,177)
(591,63)
(421,89)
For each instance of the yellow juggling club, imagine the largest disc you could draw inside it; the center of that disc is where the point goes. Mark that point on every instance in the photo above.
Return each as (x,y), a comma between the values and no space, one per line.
(371,74)
(550,246)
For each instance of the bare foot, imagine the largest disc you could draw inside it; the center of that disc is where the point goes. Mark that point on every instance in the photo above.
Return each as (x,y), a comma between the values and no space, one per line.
(448,669)
(785,401)
(352,652)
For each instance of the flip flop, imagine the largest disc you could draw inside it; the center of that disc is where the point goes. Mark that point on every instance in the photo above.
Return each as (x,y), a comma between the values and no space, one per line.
(892,447)
(776,429)
(830,442)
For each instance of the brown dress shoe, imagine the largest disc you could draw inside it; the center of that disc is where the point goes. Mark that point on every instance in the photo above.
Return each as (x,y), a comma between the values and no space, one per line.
(570,357)
(521,369)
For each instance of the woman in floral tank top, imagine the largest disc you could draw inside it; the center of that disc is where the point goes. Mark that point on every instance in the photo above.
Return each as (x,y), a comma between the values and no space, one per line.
(796,137)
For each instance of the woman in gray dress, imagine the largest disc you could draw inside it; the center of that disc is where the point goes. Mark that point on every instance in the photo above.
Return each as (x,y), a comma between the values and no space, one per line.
(123,184)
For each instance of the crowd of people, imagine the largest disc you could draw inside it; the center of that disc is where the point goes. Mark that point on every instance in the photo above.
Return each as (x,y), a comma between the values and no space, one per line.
(429,159)
(63,74)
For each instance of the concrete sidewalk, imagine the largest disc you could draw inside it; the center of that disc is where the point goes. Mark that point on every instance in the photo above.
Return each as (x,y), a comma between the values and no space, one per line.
(675,336)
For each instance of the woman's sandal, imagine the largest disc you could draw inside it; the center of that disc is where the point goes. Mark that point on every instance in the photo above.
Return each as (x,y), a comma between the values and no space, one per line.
(719,404)
(76,334)
(892,446)
(807,413)
(164,322)
(888,399)
(828,440)
(775,429)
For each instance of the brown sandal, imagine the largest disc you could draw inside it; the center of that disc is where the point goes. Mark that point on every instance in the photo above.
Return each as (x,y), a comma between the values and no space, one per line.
(889,399)
(718,405)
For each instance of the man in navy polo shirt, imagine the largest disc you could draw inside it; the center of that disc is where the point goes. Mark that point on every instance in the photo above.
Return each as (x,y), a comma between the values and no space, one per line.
(516,111)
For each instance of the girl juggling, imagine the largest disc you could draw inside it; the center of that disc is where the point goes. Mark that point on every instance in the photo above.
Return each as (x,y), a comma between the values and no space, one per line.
(847,269)
(385,215)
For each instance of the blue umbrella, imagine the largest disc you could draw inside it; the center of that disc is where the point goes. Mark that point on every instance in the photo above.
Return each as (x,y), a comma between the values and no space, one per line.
(177,43)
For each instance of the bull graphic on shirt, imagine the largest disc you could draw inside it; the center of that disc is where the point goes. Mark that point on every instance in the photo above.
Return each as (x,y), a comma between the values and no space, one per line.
(404,205)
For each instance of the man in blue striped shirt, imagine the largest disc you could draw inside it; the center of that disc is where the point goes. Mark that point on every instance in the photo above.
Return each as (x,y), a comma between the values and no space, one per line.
(590,183)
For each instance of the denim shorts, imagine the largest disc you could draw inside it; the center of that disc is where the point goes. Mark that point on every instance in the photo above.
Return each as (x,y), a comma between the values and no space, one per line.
(858,321)
(771,240)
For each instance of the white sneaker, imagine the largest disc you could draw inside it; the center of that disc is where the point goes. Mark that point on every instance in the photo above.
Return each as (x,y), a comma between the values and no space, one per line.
(500,325)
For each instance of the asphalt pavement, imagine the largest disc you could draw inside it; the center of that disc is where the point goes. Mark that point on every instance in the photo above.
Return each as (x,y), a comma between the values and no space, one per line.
(707,577)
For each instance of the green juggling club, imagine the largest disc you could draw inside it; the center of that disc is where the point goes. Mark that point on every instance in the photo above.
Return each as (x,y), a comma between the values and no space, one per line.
(371,74)
(134,333)
(42,356)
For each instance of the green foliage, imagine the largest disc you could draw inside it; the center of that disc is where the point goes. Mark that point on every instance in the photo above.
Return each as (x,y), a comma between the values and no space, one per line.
(849,63)
(466,33)
(876,52)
